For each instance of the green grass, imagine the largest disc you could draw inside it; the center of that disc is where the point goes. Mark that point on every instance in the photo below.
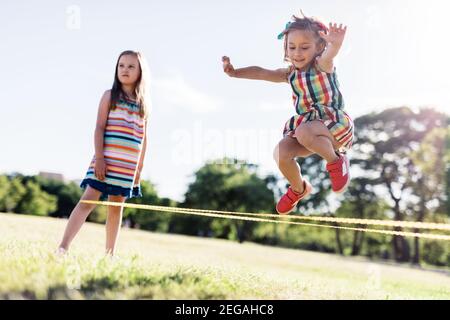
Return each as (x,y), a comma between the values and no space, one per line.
(162,266)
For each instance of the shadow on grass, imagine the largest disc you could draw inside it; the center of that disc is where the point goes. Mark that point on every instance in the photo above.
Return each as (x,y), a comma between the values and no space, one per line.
(176,285)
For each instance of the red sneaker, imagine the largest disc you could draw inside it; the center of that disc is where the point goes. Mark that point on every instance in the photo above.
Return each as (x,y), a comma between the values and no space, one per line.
(339,173)
(290,199)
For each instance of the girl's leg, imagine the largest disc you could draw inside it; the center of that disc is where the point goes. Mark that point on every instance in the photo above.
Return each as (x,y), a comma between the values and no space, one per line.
(78,216)
(113,223)
(284,154)
(316,137)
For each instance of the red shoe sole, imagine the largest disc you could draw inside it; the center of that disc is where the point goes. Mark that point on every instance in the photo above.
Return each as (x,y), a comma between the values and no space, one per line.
(287,212)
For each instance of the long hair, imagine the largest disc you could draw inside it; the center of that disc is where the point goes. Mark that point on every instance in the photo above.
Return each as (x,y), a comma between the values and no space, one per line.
(140,89)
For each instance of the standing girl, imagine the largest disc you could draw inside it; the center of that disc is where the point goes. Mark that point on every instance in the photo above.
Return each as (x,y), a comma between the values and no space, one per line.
(320,124)
(120,146)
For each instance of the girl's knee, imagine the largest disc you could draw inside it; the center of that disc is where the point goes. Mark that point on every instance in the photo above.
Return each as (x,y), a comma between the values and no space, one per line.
(304,136)
(276,153)
(91,194)
(282,154)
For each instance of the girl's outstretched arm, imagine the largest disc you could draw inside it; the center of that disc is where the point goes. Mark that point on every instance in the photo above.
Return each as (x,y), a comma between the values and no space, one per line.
(334,40)
(255,73)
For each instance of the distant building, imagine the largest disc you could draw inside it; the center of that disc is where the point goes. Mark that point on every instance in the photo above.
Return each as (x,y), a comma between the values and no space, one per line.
(51,175)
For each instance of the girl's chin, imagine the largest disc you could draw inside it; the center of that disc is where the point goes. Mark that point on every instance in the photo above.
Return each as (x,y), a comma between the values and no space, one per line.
(125,81)
(300,65)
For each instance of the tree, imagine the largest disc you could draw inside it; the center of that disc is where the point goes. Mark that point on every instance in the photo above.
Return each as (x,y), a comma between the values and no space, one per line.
(147,219)
(383,148)
(11,191)
(35,201)
(428,181)
(68,194)
(227,185)
(4,188)
(361,202)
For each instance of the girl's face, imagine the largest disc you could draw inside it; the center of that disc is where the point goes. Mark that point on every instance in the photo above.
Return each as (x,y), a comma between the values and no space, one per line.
(302,48)
(128,70)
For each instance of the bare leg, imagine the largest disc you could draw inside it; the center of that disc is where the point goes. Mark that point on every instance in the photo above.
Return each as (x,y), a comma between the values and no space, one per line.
(113,223)
(78,216)
(284,154)
(316,137)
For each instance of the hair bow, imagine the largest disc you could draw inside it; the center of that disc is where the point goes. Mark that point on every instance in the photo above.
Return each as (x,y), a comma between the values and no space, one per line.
(321,25)
(281,35)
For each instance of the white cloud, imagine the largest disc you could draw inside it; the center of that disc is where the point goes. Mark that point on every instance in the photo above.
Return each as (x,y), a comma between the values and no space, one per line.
(176,92)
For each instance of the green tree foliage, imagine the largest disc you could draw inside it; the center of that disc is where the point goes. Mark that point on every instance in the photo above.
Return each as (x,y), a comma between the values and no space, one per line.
(4,187)
(147,219)
(363,204)
(68,194)
(11,192)
(429,185)
(35,201)
(226,185)
(383,148)
(432,164)
(435,253)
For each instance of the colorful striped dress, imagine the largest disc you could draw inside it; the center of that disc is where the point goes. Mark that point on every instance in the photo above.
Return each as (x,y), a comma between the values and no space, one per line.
(316,96)
(123,137)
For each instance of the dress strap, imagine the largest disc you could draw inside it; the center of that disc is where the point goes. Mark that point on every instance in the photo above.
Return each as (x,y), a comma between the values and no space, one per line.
(289,72)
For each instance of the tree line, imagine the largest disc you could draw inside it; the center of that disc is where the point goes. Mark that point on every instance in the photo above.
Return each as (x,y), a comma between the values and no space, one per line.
(400,166)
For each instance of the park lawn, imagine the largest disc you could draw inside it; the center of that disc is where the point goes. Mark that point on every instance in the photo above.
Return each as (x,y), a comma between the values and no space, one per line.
(165,266)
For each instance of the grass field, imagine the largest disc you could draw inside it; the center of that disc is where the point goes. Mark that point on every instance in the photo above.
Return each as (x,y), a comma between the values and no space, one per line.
(162,266)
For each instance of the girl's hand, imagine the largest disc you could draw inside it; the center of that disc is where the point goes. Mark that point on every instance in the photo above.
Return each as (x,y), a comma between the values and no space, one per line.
(228,67)
(335,35)
(100,168)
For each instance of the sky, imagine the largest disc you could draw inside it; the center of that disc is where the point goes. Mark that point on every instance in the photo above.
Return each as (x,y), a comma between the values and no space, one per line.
(58,58)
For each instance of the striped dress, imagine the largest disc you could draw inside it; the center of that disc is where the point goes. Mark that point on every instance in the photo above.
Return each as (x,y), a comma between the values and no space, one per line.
(316,96)
(124,133)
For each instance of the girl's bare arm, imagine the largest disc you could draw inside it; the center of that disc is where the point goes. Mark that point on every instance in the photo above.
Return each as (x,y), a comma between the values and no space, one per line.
(102,117)
(334,40)
(144,148)
(254,72)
